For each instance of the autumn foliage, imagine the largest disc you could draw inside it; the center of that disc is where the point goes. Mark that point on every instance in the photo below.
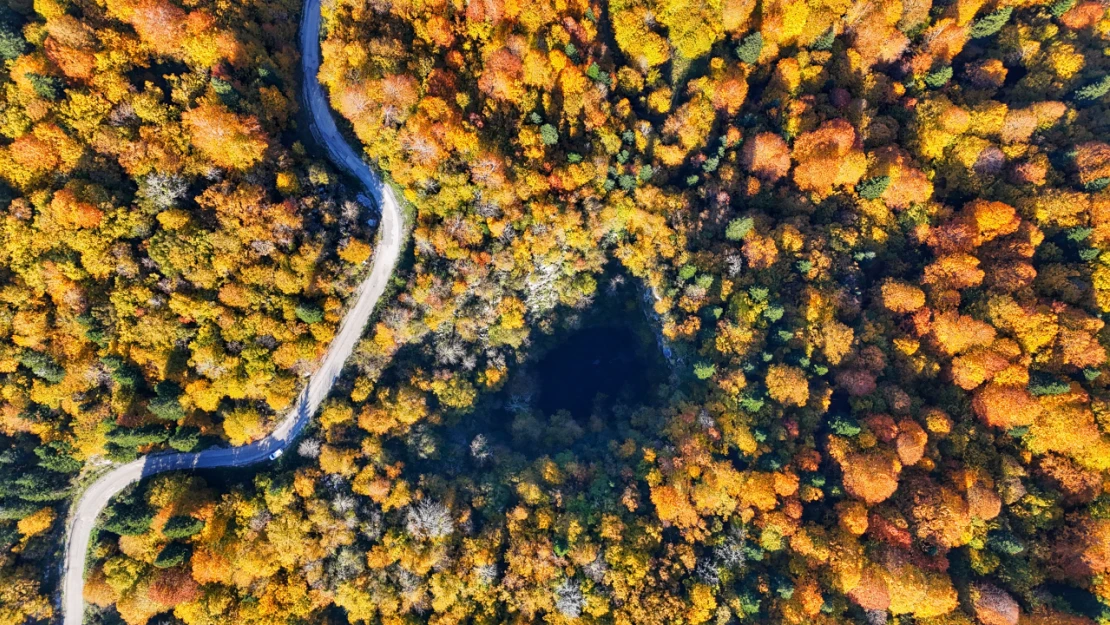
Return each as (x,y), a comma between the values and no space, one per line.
(828,157)
(865,246)
(224,137)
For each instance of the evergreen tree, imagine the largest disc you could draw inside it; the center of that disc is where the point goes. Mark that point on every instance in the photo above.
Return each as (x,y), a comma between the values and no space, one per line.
(750,48)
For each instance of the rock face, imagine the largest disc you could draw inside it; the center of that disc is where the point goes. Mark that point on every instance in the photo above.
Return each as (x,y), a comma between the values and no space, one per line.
(994,606)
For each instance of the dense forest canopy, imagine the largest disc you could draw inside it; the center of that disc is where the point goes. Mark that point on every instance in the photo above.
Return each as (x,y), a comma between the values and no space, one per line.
(172,263)
(873,239)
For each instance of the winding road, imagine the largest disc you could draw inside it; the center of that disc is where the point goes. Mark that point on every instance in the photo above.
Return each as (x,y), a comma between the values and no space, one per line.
(391,238)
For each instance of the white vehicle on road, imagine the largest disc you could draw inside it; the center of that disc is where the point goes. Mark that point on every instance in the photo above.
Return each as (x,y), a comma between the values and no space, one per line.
(275,454)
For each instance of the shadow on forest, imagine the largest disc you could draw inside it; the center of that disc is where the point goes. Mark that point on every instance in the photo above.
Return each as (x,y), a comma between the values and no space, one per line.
(581,384)
(608,361)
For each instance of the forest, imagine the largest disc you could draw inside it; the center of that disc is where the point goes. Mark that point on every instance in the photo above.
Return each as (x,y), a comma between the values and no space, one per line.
(865,244)
(172,260)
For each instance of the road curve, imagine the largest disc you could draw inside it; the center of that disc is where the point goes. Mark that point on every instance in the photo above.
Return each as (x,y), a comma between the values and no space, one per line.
(97,496)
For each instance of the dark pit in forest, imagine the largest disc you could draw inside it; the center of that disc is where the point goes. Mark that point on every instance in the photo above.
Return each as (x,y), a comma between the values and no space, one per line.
(607,364)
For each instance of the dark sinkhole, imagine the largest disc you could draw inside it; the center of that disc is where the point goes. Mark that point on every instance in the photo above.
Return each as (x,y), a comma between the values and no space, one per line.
(606,363)
(597,375)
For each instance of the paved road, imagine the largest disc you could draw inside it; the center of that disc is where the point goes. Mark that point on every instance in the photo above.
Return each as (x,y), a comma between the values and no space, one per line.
(97,496)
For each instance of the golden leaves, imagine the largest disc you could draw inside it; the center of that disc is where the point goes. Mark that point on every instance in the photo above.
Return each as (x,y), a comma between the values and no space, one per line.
(228,139)
(871,476)
(828,157)
(900,297)
(787,385)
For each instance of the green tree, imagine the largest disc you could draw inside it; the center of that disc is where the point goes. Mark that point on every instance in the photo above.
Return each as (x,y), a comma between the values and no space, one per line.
(166,404)
(991,23)
(1091,92)
(12,44)
(185,438)
(549,134)
(750,48)
(47,87)
(739,228)
(1058,8)
(172,555)
(309,313)
(872,188)
(129,518)
(704,370)
(42,366)
(938,78)
(182,527)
